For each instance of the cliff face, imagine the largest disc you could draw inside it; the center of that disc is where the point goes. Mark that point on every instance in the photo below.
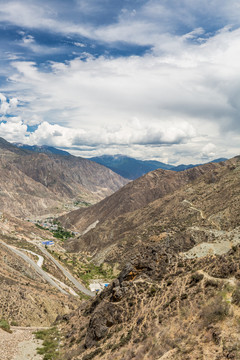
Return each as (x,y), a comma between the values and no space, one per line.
(37,184)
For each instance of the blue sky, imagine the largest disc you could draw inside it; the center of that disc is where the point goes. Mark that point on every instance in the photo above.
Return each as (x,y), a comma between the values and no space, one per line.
(146,78)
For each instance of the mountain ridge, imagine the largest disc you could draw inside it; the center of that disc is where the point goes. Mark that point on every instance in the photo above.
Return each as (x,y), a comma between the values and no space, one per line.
(131,168)
(206,196)
(40,183)
(42,149)
(128,167)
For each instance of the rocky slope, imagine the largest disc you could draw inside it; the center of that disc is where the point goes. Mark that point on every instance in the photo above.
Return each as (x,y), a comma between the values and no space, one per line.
(135,195)
(161,307)
(178,296)
(37,183)
(198,204)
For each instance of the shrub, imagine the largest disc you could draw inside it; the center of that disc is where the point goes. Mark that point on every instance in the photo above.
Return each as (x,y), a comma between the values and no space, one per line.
(211,282)
(195,278)
(14,323)
(215,311)
(184,296)
(236,296)
(4,325)
(152,291)
(50,348)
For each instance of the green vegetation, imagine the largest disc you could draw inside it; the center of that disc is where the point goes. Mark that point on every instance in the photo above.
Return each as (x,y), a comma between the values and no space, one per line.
(14,323)
(40,227)
(84,270)
(195,278)
(61,234)
(50,348)
(124,340)
(152,291)
(4,325)
(89,271)
(83,296)
(82,203)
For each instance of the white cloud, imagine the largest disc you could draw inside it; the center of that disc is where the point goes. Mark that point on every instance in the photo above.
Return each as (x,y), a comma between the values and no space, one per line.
(35,16)
(184,92)
(176,97)
(78,44)
(28,39)
(7,106)
(208,151)
(196,84)
(13,131)
(141,23)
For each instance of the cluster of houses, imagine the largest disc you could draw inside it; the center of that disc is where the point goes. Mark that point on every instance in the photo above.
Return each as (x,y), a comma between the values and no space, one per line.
(49,224)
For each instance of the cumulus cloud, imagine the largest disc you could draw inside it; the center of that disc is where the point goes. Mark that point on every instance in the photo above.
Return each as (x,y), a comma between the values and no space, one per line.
(6,106)
(183,92)
(13,131)
(175,96)
(136,133)
(208,151)
(198,84)
(128,134)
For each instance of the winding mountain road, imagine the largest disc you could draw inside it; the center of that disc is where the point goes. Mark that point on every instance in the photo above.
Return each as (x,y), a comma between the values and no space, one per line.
(49,278)
(38,269)
(69,276)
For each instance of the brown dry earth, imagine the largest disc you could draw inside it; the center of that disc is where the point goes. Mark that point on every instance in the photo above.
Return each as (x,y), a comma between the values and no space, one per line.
(162,308)
(192,205)
(33,184)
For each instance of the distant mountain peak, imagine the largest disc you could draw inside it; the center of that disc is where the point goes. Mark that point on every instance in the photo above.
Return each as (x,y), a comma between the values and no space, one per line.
(132,169)
(42,149)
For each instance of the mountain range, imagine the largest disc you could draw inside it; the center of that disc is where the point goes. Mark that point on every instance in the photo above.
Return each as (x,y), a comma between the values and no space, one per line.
(165,247)
(36,183)
(131,168)
(42,149)
(160,203)
(125,166)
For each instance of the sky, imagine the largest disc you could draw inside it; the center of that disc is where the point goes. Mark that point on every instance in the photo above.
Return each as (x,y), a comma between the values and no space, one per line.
(151,79)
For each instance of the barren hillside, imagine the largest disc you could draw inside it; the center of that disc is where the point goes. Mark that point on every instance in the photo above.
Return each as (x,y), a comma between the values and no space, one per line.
(36,184)
(192,204)
(162,307)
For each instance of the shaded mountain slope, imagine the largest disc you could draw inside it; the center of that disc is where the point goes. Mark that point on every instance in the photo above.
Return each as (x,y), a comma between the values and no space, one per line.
(131,168)
(42,149)
(37,183)
(128,167)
